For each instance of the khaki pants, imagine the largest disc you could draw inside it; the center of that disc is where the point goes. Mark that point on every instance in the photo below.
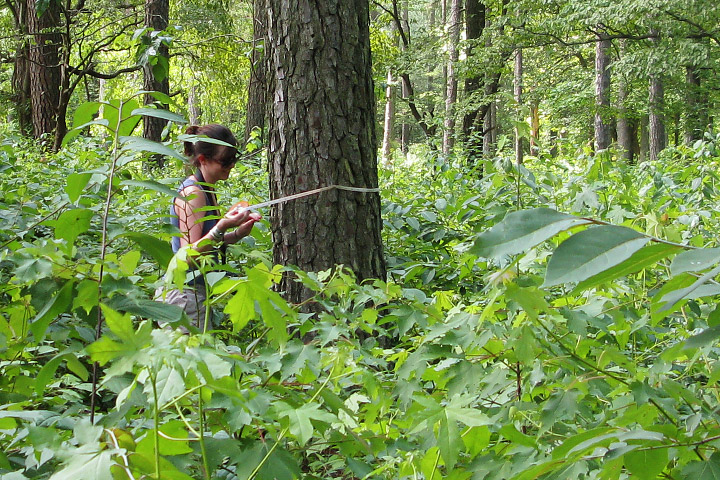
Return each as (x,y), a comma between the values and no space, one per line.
(192,300)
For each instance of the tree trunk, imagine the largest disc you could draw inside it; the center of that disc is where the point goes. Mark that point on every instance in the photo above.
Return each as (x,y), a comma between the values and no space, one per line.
(656,120)
(322,132)
(474,25)
(257,88)
(625,131)
(21,73)
(602,94)
(518,91)
(644,146)
(404,86)
(696,119)
(452,81)
(389,123)
(193,107)
(534,128)
(45,74)
(155,78)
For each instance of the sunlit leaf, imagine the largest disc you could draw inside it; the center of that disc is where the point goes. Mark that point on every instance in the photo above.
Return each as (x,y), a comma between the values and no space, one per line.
(590,252)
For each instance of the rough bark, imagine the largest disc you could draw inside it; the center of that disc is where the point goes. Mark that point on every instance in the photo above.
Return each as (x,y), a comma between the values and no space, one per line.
(602,94)
(45,74)
(156,19)
(257,88)
(624,124)
(452,82)
(534,128)
(321,131)
(405,86)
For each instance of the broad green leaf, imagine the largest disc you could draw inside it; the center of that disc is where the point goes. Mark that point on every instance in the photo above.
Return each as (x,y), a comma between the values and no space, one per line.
(152,185)
(639,260)
(150,309)
(90,462)
(695,290)
(169,384)
(646,463)
(47,372)
(121,325)
(75,184)
(570,443)
(590,252)
(300,419)
(140,144)
(86,295)
(56,305)
(158,249)
(280,464)
(83,116)
(519,231)
(706,337)
(159,113)
(703,470)
(695,260)
(72,223)
(203,138)
(448,440)
(124,124)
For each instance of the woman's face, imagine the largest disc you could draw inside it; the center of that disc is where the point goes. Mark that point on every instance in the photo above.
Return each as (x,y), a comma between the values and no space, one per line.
(220,166)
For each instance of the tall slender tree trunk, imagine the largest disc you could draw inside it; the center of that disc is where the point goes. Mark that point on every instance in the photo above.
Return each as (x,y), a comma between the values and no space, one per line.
(490,127)
(257,88)
(656,120)
(602,93)
(534,128)
(474,25)
(518,93)
(21,72)
(156,78)
(389,123)
(624,126)
(322,132)
(696,117)
(404,87)
(644,147)
(45,74)
(452,81)
(193,106)
(657,136)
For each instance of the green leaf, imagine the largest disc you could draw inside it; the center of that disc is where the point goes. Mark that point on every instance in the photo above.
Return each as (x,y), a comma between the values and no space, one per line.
(706,337)
(300,419)
(150,309)
(563,450)
(158,249)
(639,260)
(159,113)
(72,223)
(140,144)
(707,470)
(75,184)
(646,463)
(695,260)
(55,306)
(88,463)
(590,252)
(124,124)
(172,442)
(519,231)
(693,291)
(83,116)
(152,185)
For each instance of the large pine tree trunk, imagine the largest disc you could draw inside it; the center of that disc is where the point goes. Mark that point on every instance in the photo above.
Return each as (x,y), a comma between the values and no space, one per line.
(452,81)
(45,73)
(602,94)
(156,18)
(257,89)
(322,132)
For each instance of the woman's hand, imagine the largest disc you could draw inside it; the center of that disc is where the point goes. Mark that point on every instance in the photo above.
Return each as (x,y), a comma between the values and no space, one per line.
(241,219)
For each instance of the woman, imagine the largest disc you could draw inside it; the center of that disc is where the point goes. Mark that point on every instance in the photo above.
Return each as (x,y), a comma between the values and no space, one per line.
(200,227)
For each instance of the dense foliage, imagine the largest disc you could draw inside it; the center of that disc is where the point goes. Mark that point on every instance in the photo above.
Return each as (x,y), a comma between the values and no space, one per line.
(500,346)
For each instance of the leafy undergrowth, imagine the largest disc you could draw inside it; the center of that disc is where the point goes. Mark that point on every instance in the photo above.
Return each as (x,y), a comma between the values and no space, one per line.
(549,321)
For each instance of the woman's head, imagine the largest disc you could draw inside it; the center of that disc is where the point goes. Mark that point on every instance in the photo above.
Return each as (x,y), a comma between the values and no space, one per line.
(220,153)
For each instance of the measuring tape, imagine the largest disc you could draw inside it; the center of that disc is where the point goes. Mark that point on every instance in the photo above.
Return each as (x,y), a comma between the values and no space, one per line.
(305,194)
